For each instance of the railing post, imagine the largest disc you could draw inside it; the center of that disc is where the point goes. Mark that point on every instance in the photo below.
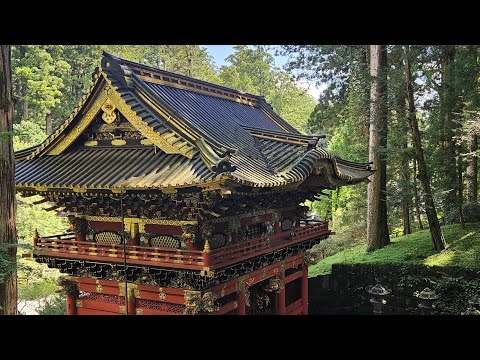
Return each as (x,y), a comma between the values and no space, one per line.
(206,254)
(36,236)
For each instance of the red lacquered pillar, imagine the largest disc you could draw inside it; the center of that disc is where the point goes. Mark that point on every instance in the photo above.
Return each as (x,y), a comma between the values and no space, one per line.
(305,289)
(242,307)
(72,303)
(132,302)
(281,298)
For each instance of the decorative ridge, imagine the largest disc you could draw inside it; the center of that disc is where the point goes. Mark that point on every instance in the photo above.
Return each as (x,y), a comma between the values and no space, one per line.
(184,78)
(298,139)
(168,78)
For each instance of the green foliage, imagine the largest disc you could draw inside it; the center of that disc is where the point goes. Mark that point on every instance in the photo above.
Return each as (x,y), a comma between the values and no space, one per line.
(414,249)
(39,289)
(31,217)
(351,236)
(252,70)
(54,306)
(27,134)
(37,79)
(454,294)
(471,213)
(7,262)
(190,60)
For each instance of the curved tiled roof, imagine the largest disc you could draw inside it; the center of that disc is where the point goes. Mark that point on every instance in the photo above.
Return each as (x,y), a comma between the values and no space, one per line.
(205,125)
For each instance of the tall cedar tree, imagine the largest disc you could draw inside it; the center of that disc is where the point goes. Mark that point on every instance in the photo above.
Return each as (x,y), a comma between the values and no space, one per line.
(434,225)
(472,103)
(377,228)
(8,236)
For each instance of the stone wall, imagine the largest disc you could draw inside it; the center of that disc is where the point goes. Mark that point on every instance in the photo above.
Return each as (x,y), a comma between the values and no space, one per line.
(344,290)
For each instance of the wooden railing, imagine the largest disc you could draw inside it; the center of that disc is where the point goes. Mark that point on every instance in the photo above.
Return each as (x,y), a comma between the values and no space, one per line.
(306,230)
(237,252)
(66,246)
(234,253)
(70,248)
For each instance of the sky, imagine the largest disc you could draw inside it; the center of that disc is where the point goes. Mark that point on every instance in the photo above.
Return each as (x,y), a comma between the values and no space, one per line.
(220,52)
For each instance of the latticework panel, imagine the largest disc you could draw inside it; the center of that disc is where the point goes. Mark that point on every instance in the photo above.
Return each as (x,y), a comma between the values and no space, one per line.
(102,298)
(108,237)
(165,242)
(160,306)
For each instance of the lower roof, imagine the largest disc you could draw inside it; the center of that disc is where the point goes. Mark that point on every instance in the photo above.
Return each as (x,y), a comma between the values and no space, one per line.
(280,163)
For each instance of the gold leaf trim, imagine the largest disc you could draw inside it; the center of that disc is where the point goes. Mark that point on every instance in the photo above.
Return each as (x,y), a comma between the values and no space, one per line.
(109,115)
(118,142)
(146,142)
(107,97)
(91,143)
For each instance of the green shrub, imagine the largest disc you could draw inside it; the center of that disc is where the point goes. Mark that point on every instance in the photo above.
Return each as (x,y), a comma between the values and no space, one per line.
(54,306)
(454,294)
(37,290)
(471,213)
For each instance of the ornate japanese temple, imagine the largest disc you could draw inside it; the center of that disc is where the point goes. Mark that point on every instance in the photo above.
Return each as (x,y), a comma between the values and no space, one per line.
(184,197)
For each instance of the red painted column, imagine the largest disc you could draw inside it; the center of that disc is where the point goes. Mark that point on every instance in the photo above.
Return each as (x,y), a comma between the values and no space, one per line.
(132,302)
(80,237)
(72,303)
(305,289)
(242,307)
(281,298)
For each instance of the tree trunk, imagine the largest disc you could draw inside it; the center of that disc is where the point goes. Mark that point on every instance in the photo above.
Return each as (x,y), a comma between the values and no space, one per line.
(407,229)
(24,103)
(434,225)
(447,103)
(377,228)
(364,79)
(415,195)
(404,160)
(458,159)
(8,235)
(472,169)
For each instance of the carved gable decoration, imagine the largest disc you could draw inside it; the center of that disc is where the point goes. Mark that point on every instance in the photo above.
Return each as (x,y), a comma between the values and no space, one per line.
(108,105)
(109,114)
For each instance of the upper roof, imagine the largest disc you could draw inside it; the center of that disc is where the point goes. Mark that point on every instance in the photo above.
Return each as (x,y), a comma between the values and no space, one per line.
(187,132)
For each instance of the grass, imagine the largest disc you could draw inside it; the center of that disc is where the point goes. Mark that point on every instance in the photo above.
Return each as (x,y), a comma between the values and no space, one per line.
(414,249)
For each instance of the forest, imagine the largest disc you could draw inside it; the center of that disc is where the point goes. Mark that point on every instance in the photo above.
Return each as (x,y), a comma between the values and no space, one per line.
(410,110)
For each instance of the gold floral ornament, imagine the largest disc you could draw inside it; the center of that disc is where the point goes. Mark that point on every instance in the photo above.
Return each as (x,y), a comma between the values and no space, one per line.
(108,115)
(274,284)
(311,258)
(189,232)
(195,302)
(208,302)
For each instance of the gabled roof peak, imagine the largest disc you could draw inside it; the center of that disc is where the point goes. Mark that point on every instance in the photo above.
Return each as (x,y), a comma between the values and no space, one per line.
(150,73)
